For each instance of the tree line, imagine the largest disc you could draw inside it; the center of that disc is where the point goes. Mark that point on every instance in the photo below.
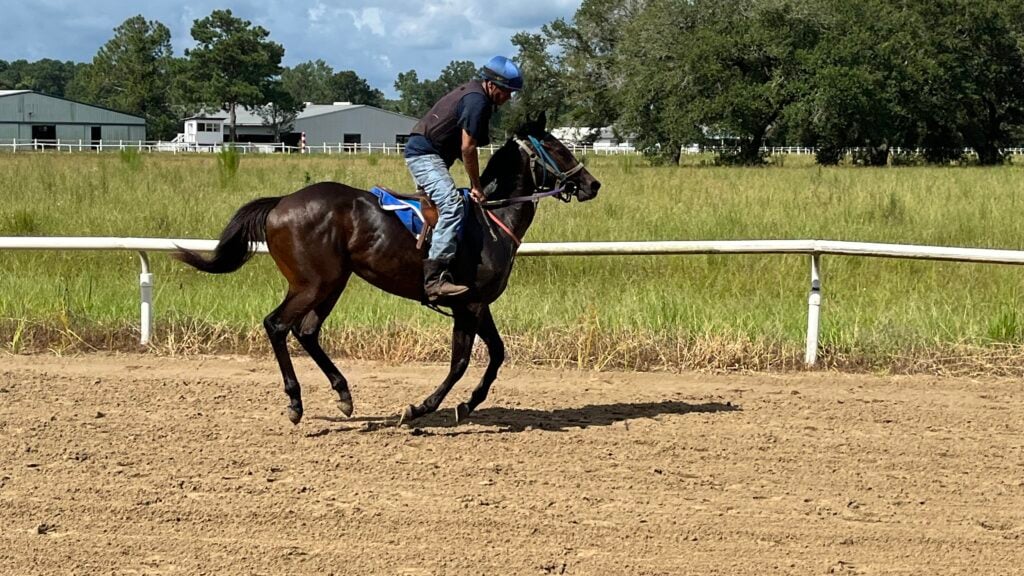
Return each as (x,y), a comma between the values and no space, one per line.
(234,64)
(860,77)
(868,76)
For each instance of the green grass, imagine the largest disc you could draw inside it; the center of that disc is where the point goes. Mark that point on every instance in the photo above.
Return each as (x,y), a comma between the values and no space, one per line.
(629,312)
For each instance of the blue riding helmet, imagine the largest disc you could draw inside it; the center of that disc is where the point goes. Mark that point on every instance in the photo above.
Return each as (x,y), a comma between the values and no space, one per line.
(502,72)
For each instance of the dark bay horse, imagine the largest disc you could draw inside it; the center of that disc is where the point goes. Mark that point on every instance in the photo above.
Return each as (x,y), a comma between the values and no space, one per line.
(322,234)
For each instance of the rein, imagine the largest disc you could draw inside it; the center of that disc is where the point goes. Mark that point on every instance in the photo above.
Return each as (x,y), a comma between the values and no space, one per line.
(531,198)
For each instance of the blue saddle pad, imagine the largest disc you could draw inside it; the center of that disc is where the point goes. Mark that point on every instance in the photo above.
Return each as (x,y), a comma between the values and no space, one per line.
(407,211)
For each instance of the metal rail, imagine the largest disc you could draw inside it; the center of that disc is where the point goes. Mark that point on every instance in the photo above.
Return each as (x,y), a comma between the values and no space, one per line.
(813,248)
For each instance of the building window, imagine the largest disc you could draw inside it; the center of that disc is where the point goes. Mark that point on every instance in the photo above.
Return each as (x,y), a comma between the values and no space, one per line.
(402,138)
(353,139)
(44,132)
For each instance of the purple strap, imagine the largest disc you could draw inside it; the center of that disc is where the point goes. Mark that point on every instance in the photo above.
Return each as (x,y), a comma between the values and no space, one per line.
(517,199)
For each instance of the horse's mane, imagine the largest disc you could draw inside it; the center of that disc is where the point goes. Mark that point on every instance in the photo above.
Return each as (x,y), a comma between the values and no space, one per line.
(503,166)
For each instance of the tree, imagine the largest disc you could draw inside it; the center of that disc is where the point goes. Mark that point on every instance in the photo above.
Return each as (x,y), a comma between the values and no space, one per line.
(694,70)
(317,82)
(855,95)
(309,82)
(233,64)
(46,76)
(589,48)
(280,111)
(544,84)
(412,100)
(416,97)
(347,86)
(131,73)
(976,94)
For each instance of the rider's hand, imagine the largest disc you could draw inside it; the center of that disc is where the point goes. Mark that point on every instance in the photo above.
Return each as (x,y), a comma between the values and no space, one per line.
(477,194)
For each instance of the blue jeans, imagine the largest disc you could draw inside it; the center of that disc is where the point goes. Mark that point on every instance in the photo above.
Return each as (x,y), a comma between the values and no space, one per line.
(430,172)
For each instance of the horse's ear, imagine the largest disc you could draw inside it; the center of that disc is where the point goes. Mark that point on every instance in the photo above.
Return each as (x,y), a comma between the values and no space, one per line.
(533,126)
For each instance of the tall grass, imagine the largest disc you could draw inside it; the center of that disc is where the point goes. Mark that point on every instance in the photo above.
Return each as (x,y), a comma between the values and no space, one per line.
(646,312)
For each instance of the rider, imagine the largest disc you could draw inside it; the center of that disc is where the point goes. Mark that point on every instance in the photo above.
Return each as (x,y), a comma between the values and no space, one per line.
(453,129)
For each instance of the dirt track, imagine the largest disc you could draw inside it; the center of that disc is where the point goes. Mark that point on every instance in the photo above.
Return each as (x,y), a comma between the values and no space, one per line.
(144,465)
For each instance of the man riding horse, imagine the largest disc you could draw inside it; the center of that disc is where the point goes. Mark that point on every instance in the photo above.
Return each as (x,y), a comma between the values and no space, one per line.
(453,129)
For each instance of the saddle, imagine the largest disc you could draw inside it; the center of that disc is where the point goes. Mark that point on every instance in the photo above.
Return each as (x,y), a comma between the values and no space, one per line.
(416,211)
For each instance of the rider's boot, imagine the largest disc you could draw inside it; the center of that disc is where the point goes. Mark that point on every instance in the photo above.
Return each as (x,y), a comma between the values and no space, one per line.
(438,282)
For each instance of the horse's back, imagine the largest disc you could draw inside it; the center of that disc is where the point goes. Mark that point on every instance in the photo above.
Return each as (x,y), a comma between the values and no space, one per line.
(327,194)
(329,228)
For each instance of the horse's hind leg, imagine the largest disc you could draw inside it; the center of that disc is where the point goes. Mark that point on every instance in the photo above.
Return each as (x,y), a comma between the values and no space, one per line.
(308,334)
(278,323)
(462,346)
(496,351)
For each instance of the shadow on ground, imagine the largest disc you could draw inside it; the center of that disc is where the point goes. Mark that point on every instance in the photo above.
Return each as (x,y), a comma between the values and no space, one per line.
(503,420)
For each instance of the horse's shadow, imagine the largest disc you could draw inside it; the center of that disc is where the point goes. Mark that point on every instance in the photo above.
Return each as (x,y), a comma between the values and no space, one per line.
(562,419)
(505,420)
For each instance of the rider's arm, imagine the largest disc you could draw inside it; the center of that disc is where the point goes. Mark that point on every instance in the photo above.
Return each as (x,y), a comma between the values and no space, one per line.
(471,160)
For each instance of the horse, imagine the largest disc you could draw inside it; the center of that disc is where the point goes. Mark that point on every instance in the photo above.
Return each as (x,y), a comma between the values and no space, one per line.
(320,235)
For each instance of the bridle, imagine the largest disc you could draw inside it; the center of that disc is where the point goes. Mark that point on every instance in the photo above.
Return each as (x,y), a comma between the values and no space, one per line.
(537,154)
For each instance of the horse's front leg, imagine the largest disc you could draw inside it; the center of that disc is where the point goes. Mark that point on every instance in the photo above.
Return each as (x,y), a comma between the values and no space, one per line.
(496,351)
(463,333)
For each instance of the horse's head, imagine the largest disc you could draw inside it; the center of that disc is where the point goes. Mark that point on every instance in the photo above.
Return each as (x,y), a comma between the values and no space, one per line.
(552,165)
(534,163)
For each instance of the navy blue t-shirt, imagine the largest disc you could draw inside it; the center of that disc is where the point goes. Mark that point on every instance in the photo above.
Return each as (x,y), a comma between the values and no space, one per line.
(474,111)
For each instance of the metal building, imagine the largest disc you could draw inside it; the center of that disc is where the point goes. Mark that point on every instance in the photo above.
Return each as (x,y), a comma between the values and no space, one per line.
(332,124)
(28,116)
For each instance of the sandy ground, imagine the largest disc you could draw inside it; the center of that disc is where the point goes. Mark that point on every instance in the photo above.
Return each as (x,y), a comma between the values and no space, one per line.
(134,464)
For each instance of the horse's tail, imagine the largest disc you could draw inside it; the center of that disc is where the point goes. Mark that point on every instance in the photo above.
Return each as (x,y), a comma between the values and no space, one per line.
(236,246)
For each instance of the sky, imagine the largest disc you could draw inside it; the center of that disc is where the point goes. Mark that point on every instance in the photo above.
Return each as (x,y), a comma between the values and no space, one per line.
(377,39)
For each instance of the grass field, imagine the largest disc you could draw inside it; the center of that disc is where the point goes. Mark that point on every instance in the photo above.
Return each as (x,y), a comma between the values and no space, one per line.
(722,312)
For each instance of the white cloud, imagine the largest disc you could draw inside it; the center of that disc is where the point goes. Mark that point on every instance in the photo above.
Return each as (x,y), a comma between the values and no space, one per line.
(316,13)
(368,18)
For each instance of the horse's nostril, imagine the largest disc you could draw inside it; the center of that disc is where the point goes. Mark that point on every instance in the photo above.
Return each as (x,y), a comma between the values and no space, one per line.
(595,186)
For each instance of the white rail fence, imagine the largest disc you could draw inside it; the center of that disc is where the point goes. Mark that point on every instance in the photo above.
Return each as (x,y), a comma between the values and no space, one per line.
(100,146)
(815,249)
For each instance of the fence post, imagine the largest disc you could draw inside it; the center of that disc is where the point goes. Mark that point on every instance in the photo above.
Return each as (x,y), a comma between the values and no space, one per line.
(146,292)
(813,311)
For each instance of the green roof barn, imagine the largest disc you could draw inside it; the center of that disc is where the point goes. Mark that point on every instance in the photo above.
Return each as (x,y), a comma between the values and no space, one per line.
(27,116)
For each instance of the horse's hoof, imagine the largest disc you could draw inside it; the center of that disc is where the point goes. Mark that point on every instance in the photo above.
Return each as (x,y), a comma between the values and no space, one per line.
(461,413)
(346,407)
(294,415)
(407,415)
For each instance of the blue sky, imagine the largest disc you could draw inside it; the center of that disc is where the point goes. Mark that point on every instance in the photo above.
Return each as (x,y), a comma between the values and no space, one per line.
(376,38)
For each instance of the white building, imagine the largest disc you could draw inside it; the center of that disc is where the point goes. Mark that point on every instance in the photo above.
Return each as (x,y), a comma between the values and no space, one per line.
(203,131)
(602,139)
(332,124)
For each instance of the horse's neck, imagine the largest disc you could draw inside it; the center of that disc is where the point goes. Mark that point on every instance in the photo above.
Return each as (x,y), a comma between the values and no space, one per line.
(520,215)
(517,217)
